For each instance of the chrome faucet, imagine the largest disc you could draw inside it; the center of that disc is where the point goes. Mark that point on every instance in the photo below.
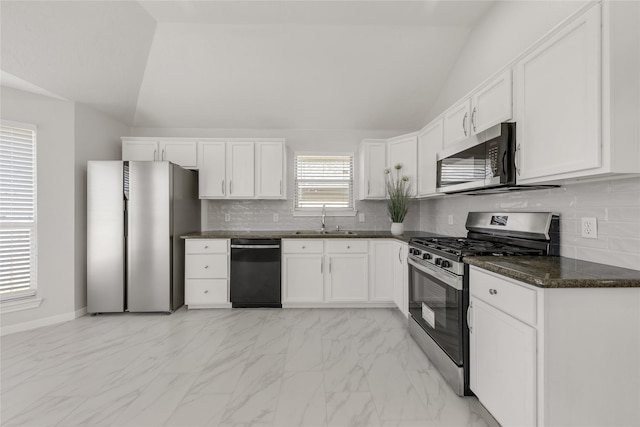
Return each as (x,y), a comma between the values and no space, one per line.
(324,216)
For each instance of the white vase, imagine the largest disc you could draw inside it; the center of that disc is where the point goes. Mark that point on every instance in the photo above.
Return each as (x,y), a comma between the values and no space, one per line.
(397,228)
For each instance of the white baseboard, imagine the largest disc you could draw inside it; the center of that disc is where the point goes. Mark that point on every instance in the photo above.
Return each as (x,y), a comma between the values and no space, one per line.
(338,305)
(39,323)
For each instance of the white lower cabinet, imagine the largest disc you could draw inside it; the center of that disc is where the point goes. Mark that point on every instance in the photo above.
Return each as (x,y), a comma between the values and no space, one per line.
(338,272)
(554,356)
(401,276)
(503,370)
(347,275)
(206,273)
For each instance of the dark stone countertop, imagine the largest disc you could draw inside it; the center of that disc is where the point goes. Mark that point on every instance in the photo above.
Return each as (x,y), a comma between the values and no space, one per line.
(290,234)
(558,272)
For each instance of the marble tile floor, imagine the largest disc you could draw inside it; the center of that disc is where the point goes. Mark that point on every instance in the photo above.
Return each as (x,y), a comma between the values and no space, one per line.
(226,367)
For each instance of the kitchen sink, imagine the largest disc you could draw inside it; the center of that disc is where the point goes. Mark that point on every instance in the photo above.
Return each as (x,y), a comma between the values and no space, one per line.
(326,232)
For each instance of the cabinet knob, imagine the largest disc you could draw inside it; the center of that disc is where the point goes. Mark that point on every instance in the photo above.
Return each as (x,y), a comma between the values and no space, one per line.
(348,247)
(206,247)
(303,247)
(206,292)
(493,291)
(206,266)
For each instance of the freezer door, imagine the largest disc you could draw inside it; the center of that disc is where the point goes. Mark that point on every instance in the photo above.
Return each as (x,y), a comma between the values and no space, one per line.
(105,237)
(149,237)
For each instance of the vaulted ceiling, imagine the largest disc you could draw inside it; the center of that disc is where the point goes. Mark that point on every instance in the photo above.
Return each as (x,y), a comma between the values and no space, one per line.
(240,64)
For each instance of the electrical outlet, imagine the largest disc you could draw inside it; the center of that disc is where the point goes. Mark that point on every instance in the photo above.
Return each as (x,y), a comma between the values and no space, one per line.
(361,217)
(275,217)
(450,219)
(589,228)
(227,217)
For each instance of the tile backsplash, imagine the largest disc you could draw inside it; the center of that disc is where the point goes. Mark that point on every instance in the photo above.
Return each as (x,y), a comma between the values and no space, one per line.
(615,204)
(258,215)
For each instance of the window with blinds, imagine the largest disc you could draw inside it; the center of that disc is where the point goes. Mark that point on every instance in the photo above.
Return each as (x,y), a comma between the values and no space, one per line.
(17,209)
(324,180)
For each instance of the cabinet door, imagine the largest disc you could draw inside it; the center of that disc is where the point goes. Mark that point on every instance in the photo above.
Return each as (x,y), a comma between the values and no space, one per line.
(347,277)
(503,365)
(401,277)
(457,122)
(381,270)
(183,153)
(558,102)
(302,278)
(404,151)
(492,104)
(212,179)
(429,144)
(140,150)
(269,170)
(373,160)
(240,170)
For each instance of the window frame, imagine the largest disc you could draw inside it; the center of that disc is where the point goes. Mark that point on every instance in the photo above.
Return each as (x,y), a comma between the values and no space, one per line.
(22,299)
(330,211)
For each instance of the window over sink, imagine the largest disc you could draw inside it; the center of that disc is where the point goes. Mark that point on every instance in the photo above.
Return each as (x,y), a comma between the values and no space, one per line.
(323,180)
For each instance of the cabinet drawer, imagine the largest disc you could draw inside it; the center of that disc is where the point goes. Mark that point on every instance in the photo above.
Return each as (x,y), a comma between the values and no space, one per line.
(347,246)
(302,246)
(206,246)
(206,266)
(504,294)
(206,291)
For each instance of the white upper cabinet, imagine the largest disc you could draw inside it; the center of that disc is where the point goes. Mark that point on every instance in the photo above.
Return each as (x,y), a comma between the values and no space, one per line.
(492,103)
(180,152)
(240,170)
(270,169)
(183,153)
(373,160)
(429,144)
(456,122)
(403,150)
(575,115)
(212,178)
(487,106)
(145,150)
(559,103)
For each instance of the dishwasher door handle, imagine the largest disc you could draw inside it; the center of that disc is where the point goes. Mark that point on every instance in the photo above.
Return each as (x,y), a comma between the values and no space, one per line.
(255,246)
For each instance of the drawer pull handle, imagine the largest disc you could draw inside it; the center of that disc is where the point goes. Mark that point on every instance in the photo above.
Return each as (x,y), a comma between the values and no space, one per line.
(206,292)
(492,291)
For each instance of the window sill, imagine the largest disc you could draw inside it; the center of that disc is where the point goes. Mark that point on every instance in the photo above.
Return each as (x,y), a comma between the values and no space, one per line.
(318,212)
(19,302)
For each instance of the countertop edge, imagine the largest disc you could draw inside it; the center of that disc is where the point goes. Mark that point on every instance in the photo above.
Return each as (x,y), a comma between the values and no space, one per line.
(537,278)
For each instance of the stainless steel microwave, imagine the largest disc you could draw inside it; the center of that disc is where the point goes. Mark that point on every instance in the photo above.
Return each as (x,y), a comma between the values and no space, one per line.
(484,164)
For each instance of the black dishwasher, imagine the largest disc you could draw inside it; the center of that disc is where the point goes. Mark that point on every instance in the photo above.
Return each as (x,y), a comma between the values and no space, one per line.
(255,273)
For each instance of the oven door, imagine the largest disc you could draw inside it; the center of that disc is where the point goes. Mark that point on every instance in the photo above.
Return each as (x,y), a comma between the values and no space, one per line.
(436,303)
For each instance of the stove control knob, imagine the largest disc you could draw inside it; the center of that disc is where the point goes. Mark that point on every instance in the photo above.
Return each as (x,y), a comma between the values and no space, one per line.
(413,251)
(438,261)
(445,263)
(426,256)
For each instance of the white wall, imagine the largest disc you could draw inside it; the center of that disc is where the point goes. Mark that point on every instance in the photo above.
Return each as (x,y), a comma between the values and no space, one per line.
(97,137)
(506,30)
(258,214)
(55,200)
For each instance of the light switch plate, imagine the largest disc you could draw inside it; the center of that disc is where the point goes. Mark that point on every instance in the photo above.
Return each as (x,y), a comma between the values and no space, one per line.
(275,217)
(361,216)
(227,217)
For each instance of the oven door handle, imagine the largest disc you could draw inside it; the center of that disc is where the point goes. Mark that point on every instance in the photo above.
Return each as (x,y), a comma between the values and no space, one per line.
(450,280)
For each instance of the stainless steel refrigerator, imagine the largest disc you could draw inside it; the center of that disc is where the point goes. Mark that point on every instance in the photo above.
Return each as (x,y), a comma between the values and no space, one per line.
(136,212)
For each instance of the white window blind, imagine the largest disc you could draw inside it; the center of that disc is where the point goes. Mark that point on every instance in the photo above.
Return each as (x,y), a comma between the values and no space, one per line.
(17,209)
(324,180)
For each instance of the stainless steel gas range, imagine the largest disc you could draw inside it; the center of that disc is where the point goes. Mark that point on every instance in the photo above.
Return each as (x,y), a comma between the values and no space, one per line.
(439,281)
